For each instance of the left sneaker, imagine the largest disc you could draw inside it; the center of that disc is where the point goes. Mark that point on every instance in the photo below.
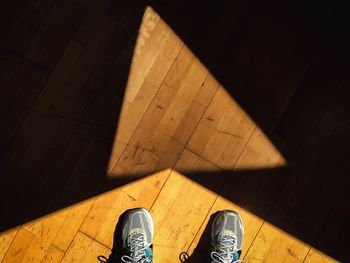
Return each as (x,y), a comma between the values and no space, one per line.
(137,235)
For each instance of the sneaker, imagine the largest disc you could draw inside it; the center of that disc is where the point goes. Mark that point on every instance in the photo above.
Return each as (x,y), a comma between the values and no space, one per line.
(137,235)
(227,237)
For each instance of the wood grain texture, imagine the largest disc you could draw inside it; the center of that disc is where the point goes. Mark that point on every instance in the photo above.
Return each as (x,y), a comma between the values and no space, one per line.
(226,127)
(101,221)
(108,105)
(169,121)
(316,256)
(6,239)
(53,255)
(84,249)
(19,246)
(273,245)
(176,224)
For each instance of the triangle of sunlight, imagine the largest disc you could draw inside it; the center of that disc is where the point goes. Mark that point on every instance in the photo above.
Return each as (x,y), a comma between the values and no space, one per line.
(168,91)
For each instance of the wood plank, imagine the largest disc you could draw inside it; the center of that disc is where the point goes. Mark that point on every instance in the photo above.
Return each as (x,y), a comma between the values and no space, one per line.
(85,2)
(224,127)
(315,256)
(274,245)
(44,231)
(169,121)
(84,249)
(19,246)
(78,248)
(259,175)
(176,224)
(53,255)
(151,38)
(101,220)
(36,117)
(19,22)
(96,249)
(321,166)
(266,69)
(155,51)
(73,11)
(260,153)
(74,100)
(72,222)
(307,108)
(20,84)
(6,239)
(51,38)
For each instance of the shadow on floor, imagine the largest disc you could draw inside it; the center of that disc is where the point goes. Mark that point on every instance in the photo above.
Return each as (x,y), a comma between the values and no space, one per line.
(117,249)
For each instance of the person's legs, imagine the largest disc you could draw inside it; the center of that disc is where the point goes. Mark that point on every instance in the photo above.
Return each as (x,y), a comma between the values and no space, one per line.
(137,236)
(227,237)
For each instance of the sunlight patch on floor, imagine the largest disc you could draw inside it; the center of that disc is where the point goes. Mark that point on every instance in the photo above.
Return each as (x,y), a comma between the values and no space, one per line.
(155,56)
(86,230)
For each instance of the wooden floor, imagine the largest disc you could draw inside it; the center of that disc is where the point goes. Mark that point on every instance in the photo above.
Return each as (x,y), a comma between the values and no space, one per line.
(101,115)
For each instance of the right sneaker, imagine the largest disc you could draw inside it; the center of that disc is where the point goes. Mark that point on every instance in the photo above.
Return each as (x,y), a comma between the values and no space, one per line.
(137,236)
(227,237)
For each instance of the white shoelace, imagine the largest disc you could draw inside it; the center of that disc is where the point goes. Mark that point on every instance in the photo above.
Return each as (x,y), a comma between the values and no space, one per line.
(218,259)
(137,250)
(225,251)
(128,259)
